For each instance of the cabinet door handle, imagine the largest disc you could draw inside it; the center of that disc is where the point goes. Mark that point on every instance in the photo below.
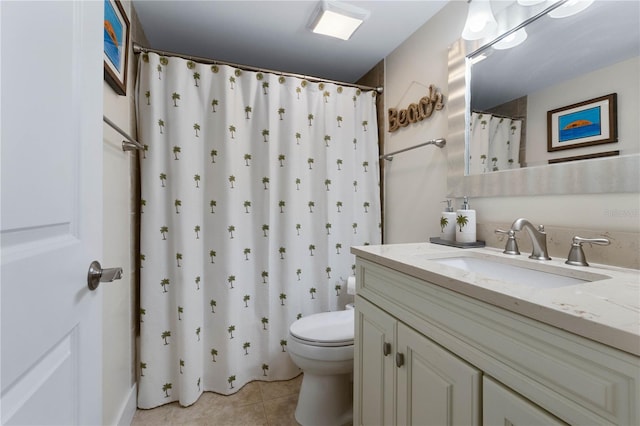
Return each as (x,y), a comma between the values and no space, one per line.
(399,359)
(386,348)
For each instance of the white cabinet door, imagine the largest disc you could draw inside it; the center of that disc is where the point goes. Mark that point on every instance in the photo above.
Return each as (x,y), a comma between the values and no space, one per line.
(374,375)
(403,378)
(502,406)
(434,386)
(51,229)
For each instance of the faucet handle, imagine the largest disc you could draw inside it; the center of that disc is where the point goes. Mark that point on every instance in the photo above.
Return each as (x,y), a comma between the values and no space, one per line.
(512,246)
(599,241)
(576,254)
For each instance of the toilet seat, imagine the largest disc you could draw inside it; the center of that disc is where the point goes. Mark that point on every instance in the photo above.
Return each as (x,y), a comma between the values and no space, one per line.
(326,329)
(321,344)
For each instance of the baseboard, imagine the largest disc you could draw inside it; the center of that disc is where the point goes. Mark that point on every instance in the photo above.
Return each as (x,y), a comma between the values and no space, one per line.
(129,408)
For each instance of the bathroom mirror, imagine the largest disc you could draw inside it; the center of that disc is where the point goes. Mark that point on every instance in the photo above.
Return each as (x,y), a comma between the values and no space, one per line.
(547,83)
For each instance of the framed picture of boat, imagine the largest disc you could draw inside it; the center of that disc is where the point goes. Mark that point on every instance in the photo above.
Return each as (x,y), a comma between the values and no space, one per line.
(116,45)
(591,122)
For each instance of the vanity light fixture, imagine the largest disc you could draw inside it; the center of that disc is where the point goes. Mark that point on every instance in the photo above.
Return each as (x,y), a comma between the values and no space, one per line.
(570,8)
(512,40)
(480,21)
(530,2)
(337,19)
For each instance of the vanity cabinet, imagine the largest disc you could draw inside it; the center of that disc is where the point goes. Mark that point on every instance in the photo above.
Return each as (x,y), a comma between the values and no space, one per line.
(501,406)
(404,378)
(470,362)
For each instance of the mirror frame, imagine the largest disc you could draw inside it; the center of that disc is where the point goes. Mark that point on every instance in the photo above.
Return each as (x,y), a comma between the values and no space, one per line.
(619,174)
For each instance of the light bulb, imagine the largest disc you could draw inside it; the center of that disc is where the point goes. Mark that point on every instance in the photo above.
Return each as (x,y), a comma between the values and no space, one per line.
(529,2)
(570,8)
(480,21)
(512,40)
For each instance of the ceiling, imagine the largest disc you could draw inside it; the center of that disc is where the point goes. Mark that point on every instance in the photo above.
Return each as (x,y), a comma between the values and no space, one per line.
(557,50)
(273,34)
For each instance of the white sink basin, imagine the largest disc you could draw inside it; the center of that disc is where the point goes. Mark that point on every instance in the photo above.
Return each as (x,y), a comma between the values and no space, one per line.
(510,272)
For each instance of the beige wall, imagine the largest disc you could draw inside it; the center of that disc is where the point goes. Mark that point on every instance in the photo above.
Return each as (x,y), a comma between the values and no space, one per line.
(119,328)
(416,182)
(621,78)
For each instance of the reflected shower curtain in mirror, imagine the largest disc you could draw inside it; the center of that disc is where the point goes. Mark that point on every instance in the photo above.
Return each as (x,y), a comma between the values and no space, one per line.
(494,143)
(254,186)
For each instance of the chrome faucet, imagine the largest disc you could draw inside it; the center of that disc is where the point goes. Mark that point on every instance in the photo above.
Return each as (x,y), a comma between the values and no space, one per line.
(538,238)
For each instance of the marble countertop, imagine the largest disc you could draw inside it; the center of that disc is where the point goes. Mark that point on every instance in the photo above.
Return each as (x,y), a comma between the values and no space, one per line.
(606,310)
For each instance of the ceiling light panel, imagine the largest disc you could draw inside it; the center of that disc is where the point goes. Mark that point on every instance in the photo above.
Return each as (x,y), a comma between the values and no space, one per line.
(337,19)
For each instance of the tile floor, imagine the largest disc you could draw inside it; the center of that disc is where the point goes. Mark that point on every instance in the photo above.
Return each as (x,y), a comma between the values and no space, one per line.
(257,403)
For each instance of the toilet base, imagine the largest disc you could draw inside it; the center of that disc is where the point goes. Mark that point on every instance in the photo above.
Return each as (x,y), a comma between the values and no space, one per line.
(325,400)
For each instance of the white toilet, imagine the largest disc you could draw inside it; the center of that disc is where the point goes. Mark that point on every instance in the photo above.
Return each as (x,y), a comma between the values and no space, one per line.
(322,346)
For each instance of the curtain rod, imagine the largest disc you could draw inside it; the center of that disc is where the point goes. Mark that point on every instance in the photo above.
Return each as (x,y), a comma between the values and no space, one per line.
(441,142)
(140,49)
(515,117)
(130,144)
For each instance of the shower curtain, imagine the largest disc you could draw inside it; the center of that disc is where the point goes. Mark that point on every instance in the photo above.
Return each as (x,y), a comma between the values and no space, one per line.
(494,143)
(254,186)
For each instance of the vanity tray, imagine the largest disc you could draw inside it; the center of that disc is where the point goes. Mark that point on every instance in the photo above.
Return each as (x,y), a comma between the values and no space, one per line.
(438,240)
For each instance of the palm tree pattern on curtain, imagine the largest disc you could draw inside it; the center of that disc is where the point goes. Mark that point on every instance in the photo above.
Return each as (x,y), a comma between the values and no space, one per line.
(494,143)
(254,187)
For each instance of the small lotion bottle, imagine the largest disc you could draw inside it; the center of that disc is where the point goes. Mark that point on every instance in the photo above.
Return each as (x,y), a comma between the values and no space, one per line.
(448,223)
(466,223)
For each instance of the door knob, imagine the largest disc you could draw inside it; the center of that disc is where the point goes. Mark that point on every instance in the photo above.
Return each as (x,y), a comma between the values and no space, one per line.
(96,275)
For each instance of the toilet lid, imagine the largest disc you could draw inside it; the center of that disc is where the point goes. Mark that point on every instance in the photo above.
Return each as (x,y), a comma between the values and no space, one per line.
(325,327)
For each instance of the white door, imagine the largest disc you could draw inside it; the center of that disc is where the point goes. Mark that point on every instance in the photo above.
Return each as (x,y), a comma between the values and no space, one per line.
(51,204)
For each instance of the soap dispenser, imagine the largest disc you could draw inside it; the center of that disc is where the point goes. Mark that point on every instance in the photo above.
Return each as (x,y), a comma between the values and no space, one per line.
(466,223)
(448,223)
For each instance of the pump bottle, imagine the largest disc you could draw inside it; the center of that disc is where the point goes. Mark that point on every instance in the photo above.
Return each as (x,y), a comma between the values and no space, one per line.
(466,223)
(448,223)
